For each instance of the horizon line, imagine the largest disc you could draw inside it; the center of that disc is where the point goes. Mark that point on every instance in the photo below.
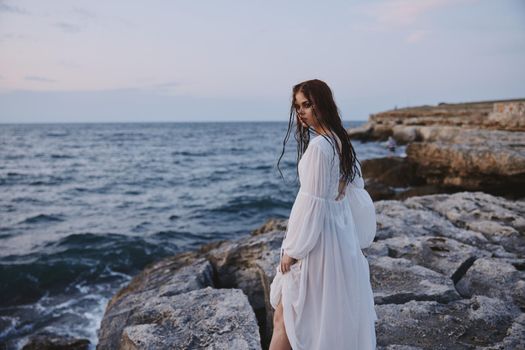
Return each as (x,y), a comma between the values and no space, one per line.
(159,122)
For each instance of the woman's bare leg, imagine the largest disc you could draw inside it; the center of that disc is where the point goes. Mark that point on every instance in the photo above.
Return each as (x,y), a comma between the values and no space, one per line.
(279,337)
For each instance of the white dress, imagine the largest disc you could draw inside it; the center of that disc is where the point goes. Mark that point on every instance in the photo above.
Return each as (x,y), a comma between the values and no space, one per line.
(327,296)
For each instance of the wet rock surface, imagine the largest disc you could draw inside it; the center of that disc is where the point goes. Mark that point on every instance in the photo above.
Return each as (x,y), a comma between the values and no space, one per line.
(447,271)
(51,341)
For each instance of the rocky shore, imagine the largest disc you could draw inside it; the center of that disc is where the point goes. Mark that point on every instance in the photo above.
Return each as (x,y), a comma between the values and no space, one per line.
(450,148)
(447,270)
(447,266)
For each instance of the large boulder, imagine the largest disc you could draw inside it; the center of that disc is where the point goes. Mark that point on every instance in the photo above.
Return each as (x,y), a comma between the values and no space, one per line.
(161,307)
(461,324)
(397,281)
(164,279)
(395,178)
(200,319)
(491,167)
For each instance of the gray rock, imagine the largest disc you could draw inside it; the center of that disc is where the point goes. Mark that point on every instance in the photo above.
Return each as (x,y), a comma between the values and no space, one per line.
(239,264)
(400,280)
(500,221)
(441,254)
(398,347)
(405,134)
(168,277)
(493,278)
(515,337)
(461,324)
(218,319)
(413,219)
(249,264)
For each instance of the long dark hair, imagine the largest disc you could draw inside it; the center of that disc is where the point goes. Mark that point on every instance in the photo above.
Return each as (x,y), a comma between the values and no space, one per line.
(326,113)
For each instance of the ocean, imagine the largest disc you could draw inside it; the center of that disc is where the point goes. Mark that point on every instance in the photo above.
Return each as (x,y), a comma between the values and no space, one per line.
(84,207)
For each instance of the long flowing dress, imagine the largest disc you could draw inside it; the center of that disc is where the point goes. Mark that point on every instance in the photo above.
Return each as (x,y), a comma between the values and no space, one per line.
(326,296)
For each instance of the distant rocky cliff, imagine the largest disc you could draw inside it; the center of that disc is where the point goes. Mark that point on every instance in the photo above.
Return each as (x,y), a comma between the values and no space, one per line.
(451,147)
(403,123)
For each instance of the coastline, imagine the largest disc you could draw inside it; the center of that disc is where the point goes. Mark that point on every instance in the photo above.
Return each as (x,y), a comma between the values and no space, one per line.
(447,265)
(449,148)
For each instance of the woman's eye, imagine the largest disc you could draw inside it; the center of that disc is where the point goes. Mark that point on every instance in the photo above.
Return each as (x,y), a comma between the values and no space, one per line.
(304,104)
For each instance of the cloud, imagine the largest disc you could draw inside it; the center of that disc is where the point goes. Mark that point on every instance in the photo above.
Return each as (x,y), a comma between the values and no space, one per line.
(400,13)
(68,27)
(416,36)
(11,9)
(39,79)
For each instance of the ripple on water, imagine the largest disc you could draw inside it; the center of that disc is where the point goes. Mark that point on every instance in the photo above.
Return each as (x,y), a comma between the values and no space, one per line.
(42,218)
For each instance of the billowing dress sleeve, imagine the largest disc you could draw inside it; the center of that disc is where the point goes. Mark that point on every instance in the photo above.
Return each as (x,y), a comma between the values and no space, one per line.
(363,211)
(310,209)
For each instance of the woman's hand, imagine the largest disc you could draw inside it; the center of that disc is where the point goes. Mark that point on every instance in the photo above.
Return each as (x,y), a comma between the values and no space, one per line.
(286,263)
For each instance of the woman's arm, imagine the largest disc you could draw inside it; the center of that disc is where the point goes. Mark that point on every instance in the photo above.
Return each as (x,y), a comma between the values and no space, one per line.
(311,206)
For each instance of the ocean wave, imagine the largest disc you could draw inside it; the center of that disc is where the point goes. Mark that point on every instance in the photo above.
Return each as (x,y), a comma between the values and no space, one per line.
(133,192)
(13,178)
(57,134)
(192,154)
(77,258)
(31,200)
(250,203)
(178,236)
(76,315)
(62,156)
(42,218)
(7,325)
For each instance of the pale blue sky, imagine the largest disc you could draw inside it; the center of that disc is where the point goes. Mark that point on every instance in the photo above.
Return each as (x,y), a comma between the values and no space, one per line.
(92,61)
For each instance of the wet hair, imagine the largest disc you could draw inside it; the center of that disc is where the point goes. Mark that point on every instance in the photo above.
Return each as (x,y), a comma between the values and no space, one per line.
(326,113)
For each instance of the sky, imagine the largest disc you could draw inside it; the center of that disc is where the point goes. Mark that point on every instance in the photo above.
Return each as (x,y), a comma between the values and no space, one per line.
(233,60)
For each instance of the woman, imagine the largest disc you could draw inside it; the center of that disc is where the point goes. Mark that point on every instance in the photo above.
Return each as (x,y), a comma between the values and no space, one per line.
(321,293)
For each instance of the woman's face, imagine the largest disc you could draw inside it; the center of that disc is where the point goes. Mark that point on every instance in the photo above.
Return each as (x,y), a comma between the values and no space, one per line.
(304,111)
